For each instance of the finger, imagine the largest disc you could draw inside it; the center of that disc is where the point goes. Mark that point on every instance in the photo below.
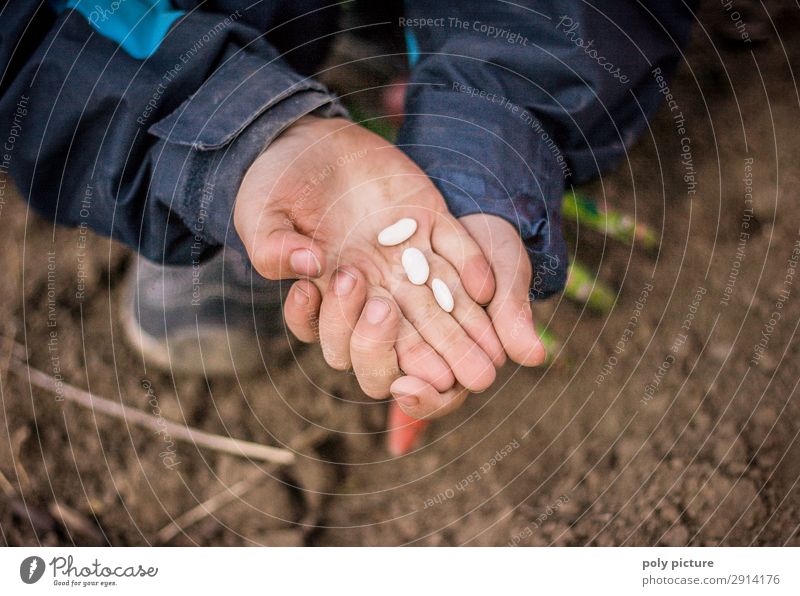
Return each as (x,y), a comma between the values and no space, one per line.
(510,308)
(469,363)
(372,348)
(340,310)
(420,400)
(301,311)
(471,317)
(276,250)
(513,319)
(285,254)
(418,359)
(451,241)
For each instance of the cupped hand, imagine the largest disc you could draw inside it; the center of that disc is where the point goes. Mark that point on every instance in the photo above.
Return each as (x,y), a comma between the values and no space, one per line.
(312,205)
(509,309)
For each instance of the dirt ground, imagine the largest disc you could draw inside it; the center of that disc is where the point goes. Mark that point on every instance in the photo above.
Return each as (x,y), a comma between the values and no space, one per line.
(660,423)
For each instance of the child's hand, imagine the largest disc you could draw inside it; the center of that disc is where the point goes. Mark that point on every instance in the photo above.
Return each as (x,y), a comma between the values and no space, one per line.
(510,307)
(316,200)
(509,310)
(373,345)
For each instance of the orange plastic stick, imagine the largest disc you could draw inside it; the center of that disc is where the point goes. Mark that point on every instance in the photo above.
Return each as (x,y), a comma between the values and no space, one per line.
(403,430)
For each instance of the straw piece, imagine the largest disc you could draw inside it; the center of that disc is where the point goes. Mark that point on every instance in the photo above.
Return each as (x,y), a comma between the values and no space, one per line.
(136,417)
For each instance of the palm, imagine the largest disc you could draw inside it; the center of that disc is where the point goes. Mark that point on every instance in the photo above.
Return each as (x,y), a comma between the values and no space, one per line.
(337,185)
(349,188)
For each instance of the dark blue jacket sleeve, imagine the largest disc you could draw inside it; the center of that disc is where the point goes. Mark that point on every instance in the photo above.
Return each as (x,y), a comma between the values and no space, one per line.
(509,102)
(149,150)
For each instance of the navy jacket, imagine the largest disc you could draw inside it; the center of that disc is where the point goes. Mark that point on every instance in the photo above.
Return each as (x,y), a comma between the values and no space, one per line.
(139,118)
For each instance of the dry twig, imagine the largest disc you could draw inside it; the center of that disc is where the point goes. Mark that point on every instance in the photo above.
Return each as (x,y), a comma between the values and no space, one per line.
(134,416)
(76,523)
(6,486)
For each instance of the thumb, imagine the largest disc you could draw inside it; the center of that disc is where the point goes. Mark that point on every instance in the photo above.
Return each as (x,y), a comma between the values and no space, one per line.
(419,399)
(277,251)
(510,308)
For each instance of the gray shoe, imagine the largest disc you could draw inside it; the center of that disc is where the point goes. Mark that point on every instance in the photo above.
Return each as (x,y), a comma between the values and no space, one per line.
(206,319)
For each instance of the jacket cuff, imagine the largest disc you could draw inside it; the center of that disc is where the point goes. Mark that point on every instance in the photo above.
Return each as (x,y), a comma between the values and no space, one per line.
(490,157)
(209,142)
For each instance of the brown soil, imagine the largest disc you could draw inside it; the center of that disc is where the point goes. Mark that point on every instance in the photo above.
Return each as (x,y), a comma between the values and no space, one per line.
(709,456)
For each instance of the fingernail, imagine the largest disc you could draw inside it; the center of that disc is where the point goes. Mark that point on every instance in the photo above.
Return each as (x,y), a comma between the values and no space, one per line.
(377,311)
(407,400)
(301,297)
(343,282)
(302,261)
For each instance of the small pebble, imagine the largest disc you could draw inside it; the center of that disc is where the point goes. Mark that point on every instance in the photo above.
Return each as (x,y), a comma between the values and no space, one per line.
(398,232)
(416,266)
(443,295)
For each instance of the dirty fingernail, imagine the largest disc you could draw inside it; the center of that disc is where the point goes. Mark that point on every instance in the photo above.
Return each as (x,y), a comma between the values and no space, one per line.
(343,282)
(377,311)
(304,262)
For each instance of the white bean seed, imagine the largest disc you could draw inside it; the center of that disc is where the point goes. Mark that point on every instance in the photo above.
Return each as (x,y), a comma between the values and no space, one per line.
(415,265)
(398,232)
(443,295)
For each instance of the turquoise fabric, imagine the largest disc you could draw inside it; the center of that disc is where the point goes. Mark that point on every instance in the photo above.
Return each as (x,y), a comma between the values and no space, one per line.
(138,26)
(412,47)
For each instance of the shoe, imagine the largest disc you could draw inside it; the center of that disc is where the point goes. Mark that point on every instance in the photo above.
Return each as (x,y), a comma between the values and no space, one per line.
(205,319)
